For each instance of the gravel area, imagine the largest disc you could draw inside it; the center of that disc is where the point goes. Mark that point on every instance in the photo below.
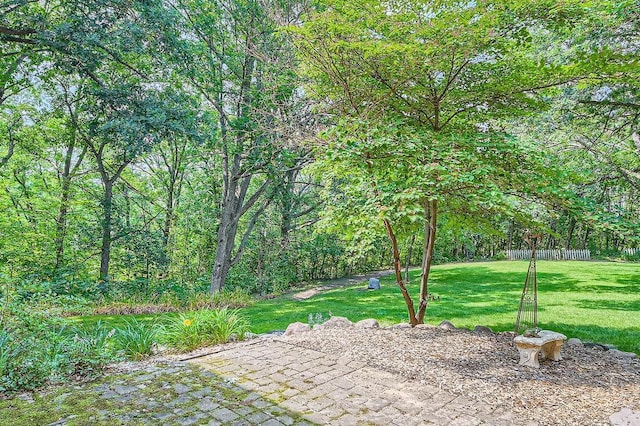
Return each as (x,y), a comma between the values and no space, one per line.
(585,388)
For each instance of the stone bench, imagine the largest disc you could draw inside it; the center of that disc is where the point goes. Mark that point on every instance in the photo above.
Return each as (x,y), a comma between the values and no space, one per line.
(546,345)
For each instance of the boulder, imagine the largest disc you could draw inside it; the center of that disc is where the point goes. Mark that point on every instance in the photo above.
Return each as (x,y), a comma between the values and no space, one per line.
(367,323)
(334,322)
(574,342)
(481,329)
(296,327)
(374,284)
(446,325)
(595,346)
(625,417)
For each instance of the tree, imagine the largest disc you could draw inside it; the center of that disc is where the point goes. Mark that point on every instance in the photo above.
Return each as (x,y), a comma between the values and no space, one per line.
(243,69)
(125,104)
(431,80)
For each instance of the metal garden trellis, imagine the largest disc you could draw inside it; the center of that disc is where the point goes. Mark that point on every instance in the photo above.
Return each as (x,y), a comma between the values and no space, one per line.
(528,311)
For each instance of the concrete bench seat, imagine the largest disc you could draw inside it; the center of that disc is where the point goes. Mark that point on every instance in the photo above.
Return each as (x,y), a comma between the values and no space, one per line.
(546,345)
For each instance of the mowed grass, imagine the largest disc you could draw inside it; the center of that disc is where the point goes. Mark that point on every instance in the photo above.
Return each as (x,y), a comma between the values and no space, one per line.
(594,301)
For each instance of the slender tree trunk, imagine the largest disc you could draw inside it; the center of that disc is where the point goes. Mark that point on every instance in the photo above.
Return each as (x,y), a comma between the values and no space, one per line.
(431,222)
(409,254)
(5,159)
(168,219)
(107,211)
(510,236)
(572,226)
(398,272)
(61,219)
(585,240)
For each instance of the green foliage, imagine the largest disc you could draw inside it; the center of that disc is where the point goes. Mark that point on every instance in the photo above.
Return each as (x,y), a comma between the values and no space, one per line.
(227,298)
(193,330)
(37,349)
(90,349)
(136,339)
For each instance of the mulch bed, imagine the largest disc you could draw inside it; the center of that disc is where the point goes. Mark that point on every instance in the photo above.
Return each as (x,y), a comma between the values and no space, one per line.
(584,388)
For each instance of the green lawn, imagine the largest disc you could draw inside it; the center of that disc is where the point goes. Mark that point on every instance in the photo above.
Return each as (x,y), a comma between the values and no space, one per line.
(594,301)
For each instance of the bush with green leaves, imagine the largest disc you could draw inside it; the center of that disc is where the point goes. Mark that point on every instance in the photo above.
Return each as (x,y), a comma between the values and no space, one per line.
(189,331)
(137,339)
(37,348)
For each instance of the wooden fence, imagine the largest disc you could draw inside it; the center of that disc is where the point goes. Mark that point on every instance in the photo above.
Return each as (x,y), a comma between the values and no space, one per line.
(550,254)
(631,251)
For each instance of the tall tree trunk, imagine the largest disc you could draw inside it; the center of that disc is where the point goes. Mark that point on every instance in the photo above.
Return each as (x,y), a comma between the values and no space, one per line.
(168,219)
(227,231)
(398,271)
(431,222)
(107,211)
(585,239)
(61,219)
(572,226)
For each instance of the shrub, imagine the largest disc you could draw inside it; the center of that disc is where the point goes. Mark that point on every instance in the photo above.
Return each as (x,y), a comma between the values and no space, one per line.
(182,334)
(501,255)
(194,330)
(137,339)
(36,349)
(90,349)
(224,325)
(236,298)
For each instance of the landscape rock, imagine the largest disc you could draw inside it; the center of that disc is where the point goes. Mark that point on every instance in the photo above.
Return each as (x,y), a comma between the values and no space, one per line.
(374,284)
(296,327)
(334,322)
(446,325)
(595,346)
(367,323)
(402,325)
(574,342)
(481,329)
(625,417)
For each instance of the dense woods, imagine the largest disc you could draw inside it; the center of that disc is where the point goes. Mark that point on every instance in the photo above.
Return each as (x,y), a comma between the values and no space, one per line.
(202,145)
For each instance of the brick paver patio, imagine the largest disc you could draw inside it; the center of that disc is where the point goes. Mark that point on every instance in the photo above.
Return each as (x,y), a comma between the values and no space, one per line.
(326,389)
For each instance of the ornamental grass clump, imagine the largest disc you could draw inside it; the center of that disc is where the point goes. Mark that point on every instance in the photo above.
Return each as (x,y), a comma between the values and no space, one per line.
(137,339)
(194,330)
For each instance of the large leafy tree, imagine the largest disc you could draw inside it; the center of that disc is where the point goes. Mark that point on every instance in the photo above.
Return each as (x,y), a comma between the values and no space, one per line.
(438,75)
(123,103)
(233,56)
(597,124)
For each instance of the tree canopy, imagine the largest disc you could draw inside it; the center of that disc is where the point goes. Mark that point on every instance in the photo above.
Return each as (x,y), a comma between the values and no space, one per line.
(254,144)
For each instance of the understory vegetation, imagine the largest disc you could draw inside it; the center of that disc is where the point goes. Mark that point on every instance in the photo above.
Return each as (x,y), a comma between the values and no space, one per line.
(39,348)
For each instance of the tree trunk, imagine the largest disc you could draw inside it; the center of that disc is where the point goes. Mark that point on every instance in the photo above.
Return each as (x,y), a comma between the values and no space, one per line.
(5,159)
(510,236)
(409,254)
(585,240)
(107,210)
(572,225)
(431,221)
(226,240)
(168,219)
(61,219)
(398,271)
